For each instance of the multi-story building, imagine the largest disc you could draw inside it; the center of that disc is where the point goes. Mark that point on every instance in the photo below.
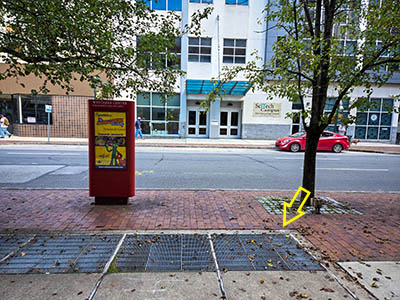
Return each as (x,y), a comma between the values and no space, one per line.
(229,36)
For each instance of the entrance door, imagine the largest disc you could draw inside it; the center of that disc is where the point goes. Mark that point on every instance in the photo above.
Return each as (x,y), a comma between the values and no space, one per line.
(197,123)
(229,124)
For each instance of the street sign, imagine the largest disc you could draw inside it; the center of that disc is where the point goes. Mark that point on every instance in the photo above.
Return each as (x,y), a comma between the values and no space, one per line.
(48,108)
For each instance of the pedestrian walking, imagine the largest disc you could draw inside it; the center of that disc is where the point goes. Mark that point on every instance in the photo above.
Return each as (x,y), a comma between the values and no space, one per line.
(138,127)
(342,129)
(4,123)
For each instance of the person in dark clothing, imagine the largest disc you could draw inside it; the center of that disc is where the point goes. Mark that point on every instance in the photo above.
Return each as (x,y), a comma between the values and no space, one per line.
(138,127)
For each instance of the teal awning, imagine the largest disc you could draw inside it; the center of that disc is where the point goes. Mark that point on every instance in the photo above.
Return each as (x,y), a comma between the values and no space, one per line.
(225,88)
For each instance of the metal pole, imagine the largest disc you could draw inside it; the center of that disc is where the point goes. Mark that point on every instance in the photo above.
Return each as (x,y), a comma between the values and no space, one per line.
(48,127)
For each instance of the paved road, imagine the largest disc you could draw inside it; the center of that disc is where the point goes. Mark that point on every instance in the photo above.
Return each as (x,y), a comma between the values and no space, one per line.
(66,167)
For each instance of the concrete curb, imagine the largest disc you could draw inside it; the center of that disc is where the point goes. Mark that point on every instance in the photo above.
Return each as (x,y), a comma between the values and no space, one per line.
(373,151)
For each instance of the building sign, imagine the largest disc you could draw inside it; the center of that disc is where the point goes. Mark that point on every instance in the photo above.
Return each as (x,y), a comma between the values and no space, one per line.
(48,109)
(110,140)
(268,109)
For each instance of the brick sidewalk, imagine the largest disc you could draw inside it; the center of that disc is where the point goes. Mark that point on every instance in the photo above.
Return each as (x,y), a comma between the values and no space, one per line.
(375,235)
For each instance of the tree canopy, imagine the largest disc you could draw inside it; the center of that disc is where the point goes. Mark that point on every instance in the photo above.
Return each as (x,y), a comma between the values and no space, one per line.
(63,40)
(339,44)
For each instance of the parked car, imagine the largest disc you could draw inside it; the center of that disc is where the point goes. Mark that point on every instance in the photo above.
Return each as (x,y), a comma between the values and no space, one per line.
(329,141)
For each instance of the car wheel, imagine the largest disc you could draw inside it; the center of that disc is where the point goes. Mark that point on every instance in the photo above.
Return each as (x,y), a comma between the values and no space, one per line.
(295,147)
(337,148)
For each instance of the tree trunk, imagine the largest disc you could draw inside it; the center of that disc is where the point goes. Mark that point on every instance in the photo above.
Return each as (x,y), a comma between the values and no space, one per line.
(309,171)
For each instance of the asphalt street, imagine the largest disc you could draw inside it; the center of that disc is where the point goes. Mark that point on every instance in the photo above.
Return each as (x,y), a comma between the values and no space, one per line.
(66,167)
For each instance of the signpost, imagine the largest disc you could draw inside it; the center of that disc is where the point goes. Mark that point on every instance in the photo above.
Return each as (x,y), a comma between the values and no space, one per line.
(49,110)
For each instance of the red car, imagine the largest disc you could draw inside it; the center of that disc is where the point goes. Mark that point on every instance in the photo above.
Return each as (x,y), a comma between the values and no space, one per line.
(329,141)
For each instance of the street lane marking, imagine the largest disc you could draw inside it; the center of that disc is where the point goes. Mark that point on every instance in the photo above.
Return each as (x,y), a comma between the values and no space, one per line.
(44,153)
(353,169)
(302,158)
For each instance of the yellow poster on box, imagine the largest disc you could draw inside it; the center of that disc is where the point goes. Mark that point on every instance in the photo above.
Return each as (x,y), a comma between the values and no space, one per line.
(109,123)
(110,152)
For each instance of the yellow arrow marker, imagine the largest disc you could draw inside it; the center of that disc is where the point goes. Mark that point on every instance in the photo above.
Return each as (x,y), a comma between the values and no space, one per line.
(300,212)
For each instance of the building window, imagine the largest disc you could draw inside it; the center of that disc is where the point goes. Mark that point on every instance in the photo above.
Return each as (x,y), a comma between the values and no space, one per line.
(341,113)
(374,120)
(173,5)
(159,115)
(160,60)
(200,49)
(237,2)
(33,109)
(234,51)
(201,1)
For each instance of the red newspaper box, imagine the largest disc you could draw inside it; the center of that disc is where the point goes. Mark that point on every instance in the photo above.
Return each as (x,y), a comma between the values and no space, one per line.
(111,151)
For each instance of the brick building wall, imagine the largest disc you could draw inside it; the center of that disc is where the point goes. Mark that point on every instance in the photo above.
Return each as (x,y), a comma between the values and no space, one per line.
(69,119)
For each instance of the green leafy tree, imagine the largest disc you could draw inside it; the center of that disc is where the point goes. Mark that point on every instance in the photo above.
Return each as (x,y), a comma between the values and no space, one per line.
(65,40)
(340,44)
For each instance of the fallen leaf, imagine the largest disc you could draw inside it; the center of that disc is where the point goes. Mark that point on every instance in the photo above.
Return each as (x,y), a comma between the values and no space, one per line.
(23,253)
(329,290)
(262,281)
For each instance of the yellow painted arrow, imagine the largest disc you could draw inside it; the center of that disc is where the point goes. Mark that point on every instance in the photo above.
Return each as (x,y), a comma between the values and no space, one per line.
(300,212)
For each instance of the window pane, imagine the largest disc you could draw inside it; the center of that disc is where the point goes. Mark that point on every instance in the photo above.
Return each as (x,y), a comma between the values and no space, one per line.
(360,133)
(229,42)
(192,130)
(241,43)
(230,1)
(206,42)
(159,4)
(205,50)
(174,100)
(33,109)
(228,51)
(175,5)
(194,1)
(228,59)
(224,118)
(373,119)
(202,118)
(193,41)
(243,2)
(158,113)
(240,60)
(158,128)
(384,133)
(223,131)
(205,58)
(207,1)
(361,119)
(173,127)
(372,133)
(145,127)
(192,117)
(143,112)
(194,58)
(375,104)
(203,131)
(173,114)
(234,119)
(386,119)
(387,104)
(234,131)
(240,51)
(193,49)
(143,99)
(158,99)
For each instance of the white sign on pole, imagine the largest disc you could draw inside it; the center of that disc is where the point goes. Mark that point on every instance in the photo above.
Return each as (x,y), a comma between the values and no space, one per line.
(48,108)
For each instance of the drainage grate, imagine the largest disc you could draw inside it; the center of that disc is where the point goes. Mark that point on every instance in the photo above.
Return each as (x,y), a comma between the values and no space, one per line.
(62,254)
(261,252)
(274,206)
(10,243)
(172,252)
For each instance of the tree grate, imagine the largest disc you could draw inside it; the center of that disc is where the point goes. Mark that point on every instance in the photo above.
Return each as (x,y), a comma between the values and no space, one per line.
(274,206)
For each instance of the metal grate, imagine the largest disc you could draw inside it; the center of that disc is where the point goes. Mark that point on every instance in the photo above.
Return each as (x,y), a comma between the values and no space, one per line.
(10,243)
(62,254)
(173,252)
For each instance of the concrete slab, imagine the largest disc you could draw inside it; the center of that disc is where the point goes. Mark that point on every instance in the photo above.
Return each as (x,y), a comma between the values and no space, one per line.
(70,170)
(24,173)
(45,286)
(380,278)
(160,286)
(282,285)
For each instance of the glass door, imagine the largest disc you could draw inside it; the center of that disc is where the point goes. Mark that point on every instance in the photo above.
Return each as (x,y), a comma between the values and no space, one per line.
(197,123)
(229,124)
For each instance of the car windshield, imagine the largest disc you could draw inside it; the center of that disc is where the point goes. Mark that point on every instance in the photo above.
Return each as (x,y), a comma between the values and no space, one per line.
(297,134)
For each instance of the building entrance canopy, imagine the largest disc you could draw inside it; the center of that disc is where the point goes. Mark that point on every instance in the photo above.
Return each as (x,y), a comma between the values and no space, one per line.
(226,88)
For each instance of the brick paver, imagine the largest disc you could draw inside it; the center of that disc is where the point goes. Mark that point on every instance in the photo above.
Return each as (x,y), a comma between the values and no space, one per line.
(375,235)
